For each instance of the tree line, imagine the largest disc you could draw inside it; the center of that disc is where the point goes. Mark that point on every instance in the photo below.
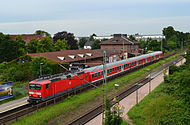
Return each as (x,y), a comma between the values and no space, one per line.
(11,49)
(173,40)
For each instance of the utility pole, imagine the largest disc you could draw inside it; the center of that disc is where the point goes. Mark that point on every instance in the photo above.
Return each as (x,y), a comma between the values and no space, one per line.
(161,45)
(104,88)
(41,69)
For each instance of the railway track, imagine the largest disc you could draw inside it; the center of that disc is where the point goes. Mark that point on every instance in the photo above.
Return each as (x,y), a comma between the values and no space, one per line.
(28,109)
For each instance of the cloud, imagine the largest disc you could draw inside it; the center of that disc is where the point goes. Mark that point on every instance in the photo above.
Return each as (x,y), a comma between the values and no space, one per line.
(104,26)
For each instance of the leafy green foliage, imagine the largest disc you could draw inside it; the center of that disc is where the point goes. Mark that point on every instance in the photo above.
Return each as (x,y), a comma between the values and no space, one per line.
(32,46)
(82,42)
(26,69)
(113,114)
(96,44)
(66,36)
(9,49)
(45,45)
(61,45)
(43,33)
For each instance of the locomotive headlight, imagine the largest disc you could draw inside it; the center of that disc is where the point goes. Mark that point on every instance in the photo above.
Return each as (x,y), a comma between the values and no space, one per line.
(37,93)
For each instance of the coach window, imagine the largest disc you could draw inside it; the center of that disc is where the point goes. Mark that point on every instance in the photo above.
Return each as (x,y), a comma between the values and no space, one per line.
(92,75)
(115,68)
(98,73)
(86,74)
(102,73)
(47,86)
(108,71)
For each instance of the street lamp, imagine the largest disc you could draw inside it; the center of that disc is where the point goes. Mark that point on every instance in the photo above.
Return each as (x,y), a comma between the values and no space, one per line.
(41,69)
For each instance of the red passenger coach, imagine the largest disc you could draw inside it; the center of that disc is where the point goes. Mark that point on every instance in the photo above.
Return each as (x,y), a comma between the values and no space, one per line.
(49,87)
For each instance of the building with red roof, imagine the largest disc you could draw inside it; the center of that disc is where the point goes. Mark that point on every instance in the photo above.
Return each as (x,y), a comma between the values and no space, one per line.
(28,37)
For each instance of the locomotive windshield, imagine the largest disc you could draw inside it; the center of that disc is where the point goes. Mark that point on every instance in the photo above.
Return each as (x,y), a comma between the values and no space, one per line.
(35,87)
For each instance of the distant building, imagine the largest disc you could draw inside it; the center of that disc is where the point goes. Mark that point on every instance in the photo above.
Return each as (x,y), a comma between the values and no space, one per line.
(102,37)
(112,55)
(158,37)
(88,45)
(28,37)
(121,42)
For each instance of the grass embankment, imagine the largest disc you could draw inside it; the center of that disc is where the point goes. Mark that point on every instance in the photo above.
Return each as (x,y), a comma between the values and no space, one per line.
(169,103)
(147,112)
(75,102)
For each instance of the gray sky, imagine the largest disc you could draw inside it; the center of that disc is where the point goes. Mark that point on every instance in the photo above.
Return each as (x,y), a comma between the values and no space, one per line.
(85,17)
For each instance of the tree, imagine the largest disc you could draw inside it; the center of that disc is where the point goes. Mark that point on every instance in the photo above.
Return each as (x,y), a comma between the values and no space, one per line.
(188,51)
(112,114)
(45,66)
(21,46)
(132,37)
(96,45)
(66,36)
(82,42)
(8,48)
(61,45)
(168,32)
(171,45)
(91,38)
(32,46)
(43,33)
(154,45)
(143,45)
(45,45)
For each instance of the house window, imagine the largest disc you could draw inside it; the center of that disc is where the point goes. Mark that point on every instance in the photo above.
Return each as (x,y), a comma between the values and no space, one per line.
(121,47)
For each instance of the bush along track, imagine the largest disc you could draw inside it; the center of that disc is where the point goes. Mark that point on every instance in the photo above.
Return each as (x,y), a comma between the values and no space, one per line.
(79,103)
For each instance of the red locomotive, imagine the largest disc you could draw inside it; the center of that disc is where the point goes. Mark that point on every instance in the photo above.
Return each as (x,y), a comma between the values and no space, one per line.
(49,87)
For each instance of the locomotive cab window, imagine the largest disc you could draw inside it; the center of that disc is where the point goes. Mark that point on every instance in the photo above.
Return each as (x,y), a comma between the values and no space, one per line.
(47,86)
(35,87)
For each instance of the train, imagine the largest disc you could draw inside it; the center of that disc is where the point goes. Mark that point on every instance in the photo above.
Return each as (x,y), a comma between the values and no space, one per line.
(49,87)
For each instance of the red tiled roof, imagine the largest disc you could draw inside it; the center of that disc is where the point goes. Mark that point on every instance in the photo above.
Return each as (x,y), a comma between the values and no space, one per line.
(57,56)
(119,41)
(27,37)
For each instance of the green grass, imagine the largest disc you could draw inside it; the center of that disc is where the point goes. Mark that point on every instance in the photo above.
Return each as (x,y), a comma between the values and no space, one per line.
(147,112)
(72,103)
(124,123)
